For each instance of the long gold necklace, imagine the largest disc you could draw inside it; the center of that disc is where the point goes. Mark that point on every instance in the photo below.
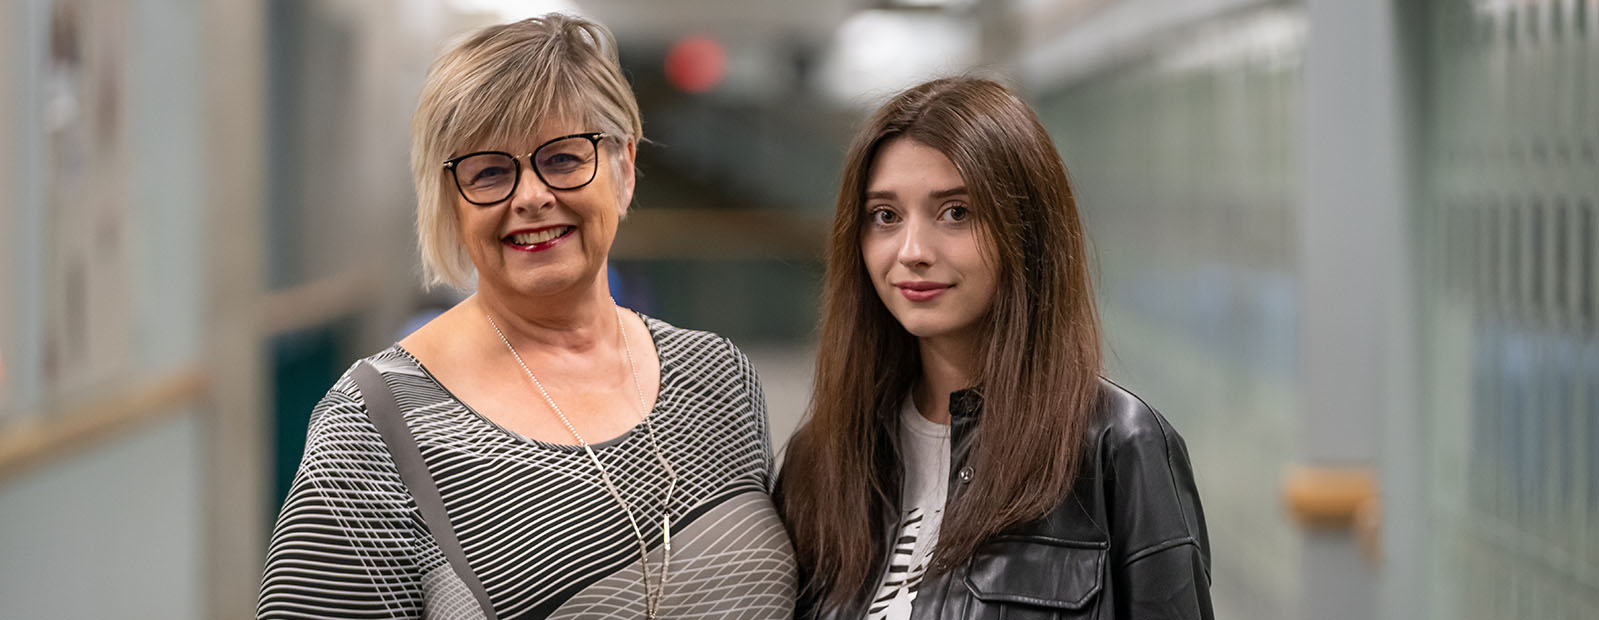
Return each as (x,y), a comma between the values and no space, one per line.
(652,594)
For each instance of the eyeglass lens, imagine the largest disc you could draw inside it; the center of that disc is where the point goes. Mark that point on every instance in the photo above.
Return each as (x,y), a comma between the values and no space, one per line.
(486,177)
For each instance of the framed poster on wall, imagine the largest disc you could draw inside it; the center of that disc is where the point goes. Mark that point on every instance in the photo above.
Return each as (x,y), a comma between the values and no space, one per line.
(87,298)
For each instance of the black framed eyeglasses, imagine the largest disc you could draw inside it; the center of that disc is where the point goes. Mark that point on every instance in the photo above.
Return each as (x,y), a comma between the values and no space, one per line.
(564,163)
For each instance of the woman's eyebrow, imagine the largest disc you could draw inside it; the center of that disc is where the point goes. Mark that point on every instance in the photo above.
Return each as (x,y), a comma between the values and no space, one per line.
(883,194)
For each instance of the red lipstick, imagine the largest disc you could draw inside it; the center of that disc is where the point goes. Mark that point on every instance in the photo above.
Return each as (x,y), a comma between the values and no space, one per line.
(537,239)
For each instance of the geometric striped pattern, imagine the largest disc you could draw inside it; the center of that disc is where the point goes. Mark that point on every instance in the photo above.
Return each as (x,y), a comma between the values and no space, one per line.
(740,533)
(534,519)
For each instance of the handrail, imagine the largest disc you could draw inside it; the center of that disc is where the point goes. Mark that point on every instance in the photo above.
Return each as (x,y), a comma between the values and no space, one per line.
(1337,498)
(699,233)
(76,424)
(1327,497)
(317,302)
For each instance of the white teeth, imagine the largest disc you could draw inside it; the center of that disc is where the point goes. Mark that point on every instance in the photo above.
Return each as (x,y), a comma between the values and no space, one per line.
(538,237)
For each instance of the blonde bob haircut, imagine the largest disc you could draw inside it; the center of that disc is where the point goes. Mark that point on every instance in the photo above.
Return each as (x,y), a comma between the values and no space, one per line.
(496,86)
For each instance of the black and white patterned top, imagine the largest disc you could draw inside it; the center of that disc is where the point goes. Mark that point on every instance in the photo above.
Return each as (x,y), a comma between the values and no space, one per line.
(924,451)
(536,523)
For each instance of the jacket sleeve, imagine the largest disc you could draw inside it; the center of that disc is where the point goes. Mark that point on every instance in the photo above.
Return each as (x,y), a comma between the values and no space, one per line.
(1160,552)
(344,544)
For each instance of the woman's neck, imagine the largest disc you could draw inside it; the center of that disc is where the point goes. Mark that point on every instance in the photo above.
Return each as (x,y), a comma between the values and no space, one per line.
(573,323)
(948,364)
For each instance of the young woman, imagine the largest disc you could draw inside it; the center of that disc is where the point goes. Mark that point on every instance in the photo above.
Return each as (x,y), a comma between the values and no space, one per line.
(962,457)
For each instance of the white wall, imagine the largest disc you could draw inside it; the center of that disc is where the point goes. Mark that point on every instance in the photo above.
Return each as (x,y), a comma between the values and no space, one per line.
(109,533)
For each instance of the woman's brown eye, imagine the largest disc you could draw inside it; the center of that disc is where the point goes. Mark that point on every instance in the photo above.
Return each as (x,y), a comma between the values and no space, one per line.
(958,214)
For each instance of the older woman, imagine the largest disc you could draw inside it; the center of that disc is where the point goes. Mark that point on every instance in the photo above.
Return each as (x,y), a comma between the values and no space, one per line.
(535,451)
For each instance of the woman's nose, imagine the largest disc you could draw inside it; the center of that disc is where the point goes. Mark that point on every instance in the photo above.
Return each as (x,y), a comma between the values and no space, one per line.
(913,248)
(531,193)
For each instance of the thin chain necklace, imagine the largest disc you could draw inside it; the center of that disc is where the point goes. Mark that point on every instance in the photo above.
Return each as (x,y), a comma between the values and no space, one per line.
(652,594)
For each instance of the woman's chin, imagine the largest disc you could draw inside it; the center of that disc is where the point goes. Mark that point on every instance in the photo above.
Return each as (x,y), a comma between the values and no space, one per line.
(925,329)
(547,281)
(940,328)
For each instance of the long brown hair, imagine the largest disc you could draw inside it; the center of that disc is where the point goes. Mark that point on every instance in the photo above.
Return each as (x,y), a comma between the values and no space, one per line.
(1039,369)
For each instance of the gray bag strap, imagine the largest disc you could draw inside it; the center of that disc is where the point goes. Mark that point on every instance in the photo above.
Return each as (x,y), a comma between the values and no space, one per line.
(385,415)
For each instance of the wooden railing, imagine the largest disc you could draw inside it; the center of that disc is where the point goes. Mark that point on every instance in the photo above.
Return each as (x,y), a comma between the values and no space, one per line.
(1337,498)
(74,424)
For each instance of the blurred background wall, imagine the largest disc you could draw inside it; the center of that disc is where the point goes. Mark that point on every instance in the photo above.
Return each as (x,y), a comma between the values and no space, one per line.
(1346,246)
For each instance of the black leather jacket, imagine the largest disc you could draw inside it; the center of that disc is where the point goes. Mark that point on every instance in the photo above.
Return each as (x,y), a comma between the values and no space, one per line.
(1129,542)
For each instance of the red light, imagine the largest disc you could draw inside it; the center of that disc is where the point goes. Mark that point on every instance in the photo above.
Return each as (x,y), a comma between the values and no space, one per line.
(696,64)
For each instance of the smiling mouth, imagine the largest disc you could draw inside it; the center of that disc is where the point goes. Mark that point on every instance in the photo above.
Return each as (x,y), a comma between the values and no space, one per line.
(534,238)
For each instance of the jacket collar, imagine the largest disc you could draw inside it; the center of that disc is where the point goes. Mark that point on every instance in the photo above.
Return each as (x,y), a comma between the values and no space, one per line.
(964,405)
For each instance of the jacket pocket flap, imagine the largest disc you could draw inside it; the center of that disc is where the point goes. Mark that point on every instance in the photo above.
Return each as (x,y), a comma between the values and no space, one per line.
(1037,570)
